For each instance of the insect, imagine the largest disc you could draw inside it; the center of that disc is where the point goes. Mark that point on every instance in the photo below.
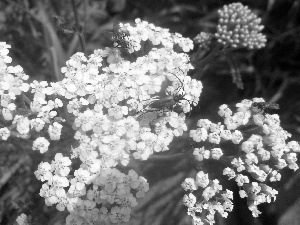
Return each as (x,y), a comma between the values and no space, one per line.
(120,36)
(264,107)
(170,102)
(158,107)
(62,25)
(146,118)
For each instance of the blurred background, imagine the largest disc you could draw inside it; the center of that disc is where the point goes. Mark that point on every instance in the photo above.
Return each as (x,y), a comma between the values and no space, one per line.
(45,33)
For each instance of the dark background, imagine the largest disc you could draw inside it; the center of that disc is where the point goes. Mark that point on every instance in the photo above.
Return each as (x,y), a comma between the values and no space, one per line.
(44,32)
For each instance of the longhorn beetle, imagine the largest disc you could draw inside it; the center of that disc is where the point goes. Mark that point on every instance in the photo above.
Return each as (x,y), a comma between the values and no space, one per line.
(157,107)
(169,102)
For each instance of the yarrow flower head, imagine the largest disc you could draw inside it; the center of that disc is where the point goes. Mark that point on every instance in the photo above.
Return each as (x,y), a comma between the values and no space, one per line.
(258,157)
(124,108)
(239,27)
(213,199)
(157,35)
(109,97)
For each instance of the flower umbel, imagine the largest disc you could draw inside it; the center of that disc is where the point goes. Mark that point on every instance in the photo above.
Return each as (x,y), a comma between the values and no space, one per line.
(108,98)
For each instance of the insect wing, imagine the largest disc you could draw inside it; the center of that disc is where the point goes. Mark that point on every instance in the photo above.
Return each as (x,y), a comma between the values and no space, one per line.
(264,106)
(108,35)
(166,102)
(116,26)
(273,106)
(115,31)
(147,117)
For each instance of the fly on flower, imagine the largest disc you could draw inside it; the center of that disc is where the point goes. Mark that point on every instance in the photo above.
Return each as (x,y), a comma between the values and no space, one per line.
(264,107)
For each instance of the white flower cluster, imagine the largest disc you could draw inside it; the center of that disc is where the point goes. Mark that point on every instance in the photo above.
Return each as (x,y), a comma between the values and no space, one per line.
(109,188)
(109,97)
(261,155)
(213,199)
(13,87)
(239,27)
(112,106)
(144,31)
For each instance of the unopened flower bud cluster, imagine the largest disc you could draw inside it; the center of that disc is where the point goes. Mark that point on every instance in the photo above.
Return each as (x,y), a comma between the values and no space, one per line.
(239,27)
(204,40)
(108,97)
(23,219)
(213,199)
(262,155)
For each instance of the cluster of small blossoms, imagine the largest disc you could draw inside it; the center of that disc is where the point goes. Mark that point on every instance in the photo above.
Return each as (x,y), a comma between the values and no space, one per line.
(239,27)
(23,219)
(111,117)
(144,31)
(42,112)
(110,196)
(204,40)
(11,85)
(120,93)
(109,98)
(260,155)
(213,199)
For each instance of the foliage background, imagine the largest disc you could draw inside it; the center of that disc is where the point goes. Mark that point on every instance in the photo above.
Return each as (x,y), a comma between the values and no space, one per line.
(44,34)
